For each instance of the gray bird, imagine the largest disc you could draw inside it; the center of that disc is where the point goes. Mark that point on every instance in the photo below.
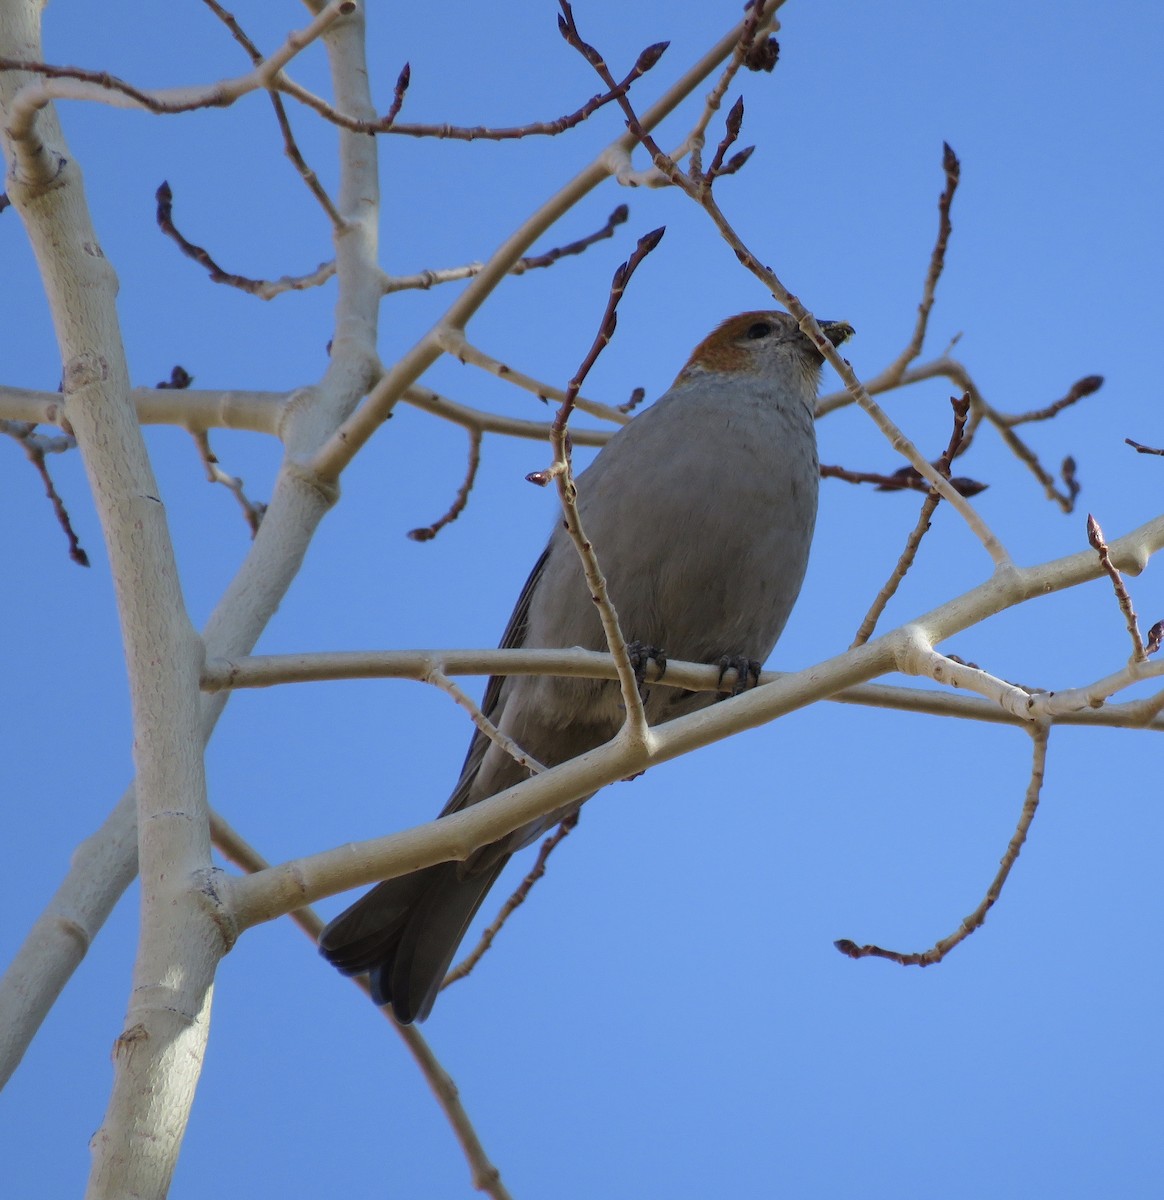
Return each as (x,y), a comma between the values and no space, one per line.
(701,512)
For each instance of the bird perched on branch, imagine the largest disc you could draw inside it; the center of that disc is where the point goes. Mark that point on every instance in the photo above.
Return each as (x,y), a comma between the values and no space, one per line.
(701,512)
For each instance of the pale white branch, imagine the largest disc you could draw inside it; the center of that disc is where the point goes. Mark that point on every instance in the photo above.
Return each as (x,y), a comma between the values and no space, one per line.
(268,289)
(456,836)
(1055,705)
(619,162)
(916,657)
(454,343)
(188,408)
(102,867)
(474,418)
(502,741)
(160,1049)
(272,670)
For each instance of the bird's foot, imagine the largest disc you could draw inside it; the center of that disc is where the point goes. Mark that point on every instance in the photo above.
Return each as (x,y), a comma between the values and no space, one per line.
(747,674)
(641,656)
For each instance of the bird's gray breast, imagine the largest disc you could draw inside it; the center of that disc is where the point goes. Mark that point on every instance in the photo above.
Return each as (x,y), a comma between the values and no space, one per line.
(701,514)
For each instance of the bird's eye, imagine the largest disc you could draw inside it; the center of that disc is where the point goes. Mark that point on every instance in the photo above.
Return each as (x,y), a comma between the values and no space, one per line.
(759,329)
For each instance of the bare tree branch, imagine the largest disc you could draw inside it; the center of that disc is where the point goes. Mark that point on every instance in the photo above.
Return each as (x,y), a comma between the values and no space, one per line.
(1039,735)
(503,741)
(253,510)
(1095,537)
(469,133)
(929,505)
(423,280)
(428,532)
(1087,386)
(36,446)
(290,145)
(263,288)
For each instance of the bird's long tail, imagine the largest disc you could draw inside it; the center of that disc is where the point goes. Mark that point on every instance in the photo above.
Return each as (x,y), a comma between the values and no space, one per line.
(405,931)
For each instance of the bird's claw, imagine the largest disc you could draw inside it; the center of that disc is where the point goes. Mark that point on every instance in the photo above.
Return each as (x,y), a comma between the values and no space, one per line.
(641,655)
(747,673)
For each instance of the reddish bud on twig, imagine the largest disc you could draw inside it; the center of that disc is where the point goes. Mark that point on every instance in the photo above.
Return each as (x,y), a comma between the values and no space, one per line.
(179,379)
(1067,473)
(735,118)
(650,56)
(1095,534)
(736,161)
(763,56)
(1155,638)
(647,243)
(402,82)
(1140,448)
(428,532)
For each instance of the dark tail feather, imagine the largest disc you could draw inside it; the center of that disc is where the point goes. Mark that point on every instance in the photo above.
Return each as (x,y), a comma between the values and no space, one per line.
(404,934)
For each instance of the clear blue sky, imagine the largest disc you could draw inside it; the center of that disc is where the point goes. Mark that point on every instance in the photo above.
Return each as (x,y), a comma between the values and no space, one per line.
(667,1015)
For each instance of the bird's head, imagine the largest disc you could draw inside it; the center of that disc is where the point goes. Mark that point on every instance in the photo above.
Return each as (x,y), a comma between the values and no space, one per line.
(761,345)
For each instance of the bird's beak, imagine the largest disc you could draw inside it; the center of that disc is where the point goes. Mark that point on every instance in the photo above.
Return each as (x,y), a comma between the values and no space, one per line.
(836,331)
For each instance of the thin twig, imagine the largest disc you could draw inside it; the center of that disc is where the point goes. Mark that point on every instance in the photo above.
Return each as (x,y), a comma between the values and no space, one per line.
(907,479)
(568,28)
(263,288)
(561,472)
(1004,422)
(454,343)
(1024,453)
(516,900)
(485,1176)
(1087,386)
(290,145)
(503,741)
(474,419)
(953,170)
(1039,735)
(253,510)
(36,446)
(1095,537)
(402,82)
(549,257)
(961,408)
(1140,448)
(981,410)
(732,125)
(466,133)
(762,57)
(893,376)
(424,280)
(428,532)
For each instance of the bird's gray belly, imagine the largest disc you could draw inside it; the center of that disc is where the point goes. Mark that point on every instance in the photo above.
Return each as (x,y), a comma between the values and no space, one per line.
(703,562)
